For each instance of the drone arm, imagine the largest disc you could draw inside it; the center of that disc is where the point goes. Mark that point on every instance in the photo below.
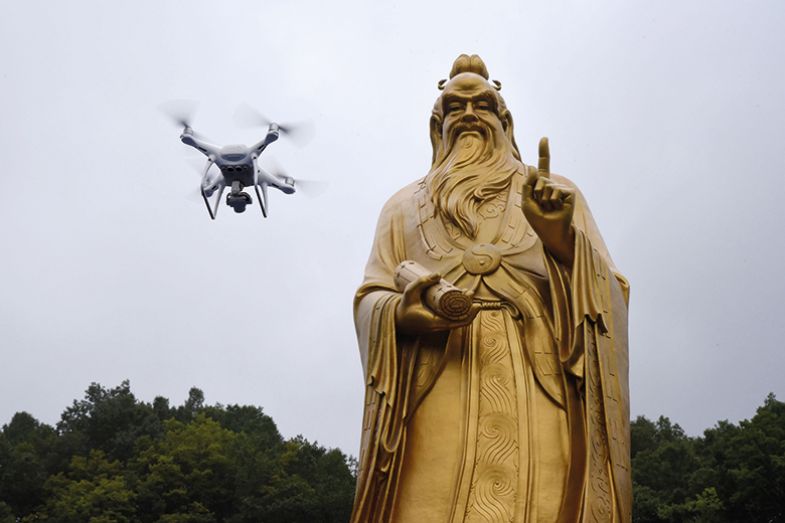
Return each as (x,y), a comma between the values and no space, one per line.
(272,135)
(188,138)
(267,178)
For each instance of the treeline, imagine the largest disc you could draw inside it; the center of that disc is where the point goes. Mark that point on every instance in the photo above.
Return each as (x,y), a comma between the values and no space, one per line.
(732,474)
(114,459)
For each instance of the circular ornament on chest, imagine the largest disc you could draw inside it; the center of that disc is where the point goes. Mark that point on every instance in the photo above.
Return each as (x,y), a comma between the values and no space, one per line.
(482,258)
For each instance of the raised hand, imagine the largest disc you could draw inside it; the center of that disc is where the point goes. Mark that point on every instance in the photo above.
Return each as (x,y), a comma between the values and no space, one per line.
(414,317)
(548,207)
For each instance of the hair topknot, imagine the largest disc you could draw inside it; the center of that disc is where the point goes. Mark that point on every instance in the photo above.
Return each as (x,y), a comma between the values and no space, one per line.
(469,64)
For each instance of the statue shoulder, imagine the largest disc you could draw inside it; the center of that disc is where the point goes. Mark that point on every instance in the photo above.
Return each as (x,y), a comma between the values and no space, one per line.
(398,202)
(558,178)
(554,176)
(564,181)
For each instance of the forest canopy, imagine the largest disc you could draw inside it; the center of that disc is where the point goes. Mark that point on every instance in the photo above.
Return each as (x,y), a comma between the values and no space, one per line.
(114,458)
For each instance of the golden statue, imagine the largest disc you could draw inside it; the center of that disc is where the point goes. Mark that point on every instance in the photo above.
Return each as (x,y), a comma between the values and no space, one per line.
(492,327)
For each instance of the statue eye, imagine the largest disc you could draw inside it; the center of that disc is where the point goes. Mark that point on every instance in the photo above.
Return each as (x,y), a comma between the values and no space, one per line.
(454,106)
(484,105)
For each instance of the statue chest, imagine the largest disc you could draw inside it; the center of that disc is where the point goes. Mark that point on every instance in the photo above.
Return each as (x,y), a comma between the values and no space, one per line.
(505,255)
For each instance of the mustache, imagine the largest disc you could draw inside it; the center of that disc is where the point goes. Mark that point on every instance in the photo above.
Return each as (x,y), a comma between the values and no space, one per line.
(477,126)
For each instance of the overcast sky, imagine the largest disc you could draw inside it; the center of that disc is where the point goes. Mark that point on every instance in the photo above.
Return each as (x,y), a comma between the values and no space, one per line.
(670,116)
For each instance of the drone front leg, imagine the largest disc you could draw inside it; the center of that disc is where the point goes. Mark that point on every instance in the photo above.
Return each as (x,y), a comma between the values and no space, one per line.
(214,210)
(210,162)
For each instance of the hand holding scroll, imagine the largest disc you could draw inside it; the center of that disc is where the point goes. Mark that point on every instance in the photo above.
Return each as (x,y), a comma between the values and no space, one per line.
(430,304)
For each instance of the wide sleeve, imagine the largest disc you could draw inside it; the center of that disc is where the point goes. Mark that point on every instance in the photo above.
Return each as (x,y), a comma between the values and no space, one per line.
(377,297)
(587,291)
(590,306)
(387,368)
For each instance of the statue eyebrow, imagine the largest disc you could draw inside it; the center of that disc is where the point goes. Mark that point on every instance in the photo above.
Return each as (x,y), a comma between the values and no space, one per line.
(485,95)
(489,95)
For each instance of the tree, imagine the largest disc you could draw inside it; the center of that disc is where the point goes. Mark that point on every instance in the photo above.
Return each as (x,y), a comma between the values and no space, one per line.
(94,489)
(189,471)
(111,420)
(27,458)
(114,458)
(733,473)
(747,463)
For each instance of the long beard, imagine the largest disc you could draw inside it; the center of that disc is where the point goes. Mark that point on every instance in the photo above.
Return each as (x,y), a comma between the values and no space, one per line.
(473,168)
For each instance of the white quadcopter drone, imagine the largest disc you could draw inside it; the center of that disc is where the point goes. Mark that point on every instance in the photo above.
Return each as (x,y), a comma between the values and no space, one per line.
(238,168)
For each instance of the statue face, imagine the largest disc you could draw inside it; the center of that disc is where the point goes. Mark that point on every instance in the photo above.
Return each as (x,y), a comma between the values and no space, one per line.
(469,105)
(474,158)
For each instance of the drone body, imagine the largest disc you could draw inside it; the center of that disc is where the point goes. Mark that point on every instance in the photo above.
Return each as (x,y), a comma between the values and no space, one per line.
(238,169)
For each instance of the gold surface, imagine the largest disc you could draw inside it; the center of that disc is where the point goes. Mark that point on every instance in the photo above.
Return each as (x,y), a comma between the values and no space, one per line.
(520,410)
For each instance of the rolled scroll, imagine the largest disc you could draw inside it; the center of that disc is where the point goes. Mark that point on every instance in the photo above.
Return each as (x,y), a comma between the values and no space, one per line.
(443,298)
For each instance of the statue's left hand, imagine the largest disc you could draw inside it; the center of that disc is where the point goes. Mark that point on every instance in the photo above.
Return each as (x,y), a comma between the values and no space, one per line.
(548,207)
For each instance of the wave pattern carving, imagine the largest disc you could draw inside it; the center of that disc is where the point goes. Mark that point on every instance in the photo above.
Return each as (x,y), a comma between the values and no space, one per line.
(495,472)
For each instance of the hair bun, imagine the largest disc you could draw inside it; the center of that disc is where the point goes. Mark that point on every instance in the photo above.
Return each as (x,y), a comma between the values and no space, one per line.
(469,64)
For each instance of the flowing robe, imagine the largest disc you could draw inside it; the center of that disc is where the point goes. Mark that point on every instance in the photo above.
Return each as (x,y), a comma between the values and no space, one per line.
(521,416)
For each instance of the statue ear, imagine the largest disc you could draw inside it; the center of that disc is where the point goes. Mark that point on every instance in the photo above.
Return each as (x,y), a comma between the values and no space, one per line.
(436,135)
(507,124)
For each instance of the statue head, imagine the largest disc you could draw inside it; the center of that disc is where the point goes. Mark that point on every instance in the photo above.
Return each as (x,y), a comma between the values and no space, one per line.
(474,151)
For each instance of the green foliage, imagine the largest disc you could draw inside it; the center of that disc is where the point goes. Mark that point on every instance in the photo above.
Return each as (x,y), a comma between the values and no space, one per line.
(93,489)
(111,420)
(748,463)
(115,459)
(187,470)
(27,458)
(6,513)
(733,473)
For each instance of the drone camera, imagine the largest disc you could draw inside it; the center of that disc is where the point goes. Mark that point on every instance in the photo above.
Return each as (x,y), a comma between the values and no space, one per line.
(238,201)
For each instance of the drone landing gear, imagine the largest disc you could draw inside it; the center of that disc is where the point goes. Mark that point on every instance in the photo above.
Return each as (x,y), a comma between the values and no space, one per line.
(237,199)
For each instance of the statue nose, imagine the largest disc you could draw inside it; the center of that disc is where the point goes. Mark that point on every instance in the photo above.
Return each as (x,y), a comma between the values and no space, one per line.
(468,114)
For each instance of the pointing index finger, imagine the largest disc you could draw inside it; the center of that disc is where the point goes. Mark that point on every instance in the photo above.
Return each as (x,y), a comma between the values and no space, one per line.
(544,163)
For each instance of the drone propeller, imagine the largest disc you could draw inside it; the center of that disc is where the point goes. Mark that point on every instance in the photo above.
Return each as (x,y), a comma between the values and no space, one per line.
(298,132)
(181,113)
(311,187)
(308,187)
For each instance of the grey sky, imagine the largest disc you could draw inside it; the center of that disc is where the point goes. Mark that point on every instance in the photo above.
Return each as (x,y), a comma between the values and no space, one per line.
(669,116)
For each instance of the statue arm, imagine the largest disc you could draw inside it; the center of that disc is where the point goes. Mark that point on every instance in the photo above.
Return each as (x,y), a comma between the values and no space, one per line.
(386,367)
(588,289)
(377,298)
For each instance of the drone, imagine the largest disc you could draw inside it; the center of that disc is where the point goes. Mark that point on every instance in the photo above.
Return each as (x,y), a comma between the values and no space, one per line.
(238,169)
